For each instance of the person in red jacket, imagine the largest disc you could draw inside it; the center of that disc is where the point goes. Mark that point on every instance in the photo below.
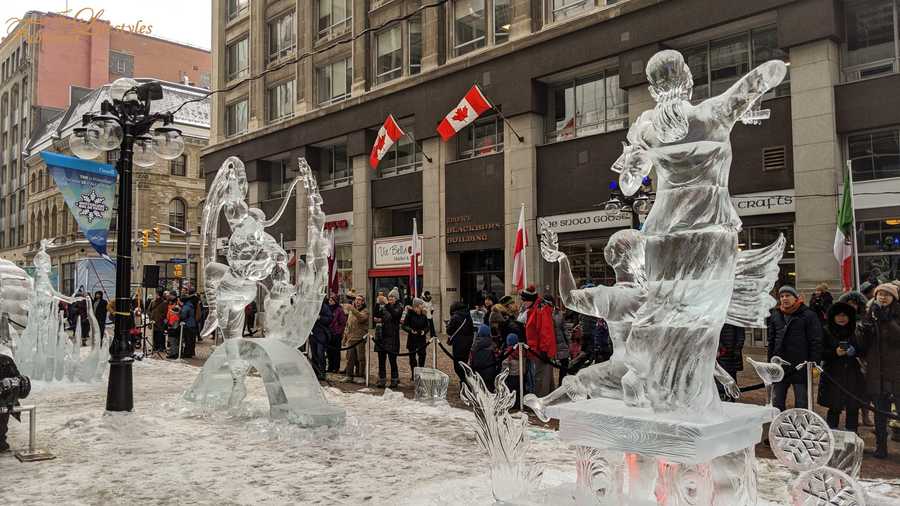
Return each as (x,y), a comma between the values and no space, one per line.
(540,336)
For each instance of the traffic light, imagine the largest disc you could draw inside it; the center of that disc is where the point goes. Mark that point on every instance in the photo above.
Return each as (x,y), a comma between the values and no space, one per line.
(179,271)
(156,234)
(145,238)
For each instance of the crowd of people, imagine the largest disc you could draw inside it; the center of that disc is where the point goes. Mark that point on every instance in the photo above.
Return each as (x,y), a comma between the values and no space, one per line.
(176,321)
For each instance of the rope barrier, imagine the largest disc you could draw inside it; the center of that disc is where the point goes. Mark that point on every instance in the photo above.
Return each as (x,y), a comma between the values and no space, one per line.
(338,348)
(751,388)
(862,402)
(411,352)
(17,324)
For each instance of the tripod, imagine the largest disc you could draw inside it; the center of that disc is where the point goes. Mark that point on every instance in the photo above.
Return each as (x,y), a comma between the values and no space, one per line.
(147,341)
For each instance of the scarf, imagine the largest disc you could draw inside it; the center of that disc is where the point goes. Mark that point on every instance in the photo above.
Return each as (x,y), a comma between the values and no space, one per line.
(791,309)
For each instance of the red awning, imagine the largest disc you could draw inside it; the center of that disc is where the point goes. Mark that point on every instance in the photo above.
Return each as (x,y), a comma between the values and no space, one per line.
(396,272)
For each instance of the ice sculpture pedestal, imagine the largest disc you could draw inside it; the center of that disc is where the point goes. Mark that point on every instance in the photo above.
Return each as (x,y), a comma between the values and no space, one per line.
(632,456)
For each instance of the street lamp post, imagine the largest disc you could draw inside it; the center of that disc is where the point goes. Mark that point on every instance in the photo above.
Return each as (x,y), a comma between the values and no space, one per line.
(637,204)
(125,122)
(187,246)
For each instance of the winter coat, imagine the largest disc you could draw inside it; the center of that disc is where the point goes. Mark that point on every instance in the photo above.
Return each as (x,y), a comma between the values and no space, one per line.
(390,327)
(731,345)
(460,331)
(158,310)
(562,337)
(844,370)
(188,313)
(539,333)
(601,344)
(357,326)
(416,323)
(100,310)
(796,338)
(879,336)
(588,324)
(320,331)
(338,321)
(483,358)
(821,304)
(9,394)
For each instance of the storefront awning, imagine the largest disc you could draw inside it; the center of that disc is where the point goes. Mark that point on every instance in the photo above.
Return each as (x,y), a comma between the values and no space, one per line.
(395,272)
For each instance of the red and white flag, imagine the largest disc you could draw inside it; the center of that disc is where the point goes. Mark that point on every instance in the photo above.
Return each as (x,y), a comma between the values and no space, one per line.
(414,254)
(388,134)
(843,243)
(519,274)
(332,267)
(470,107)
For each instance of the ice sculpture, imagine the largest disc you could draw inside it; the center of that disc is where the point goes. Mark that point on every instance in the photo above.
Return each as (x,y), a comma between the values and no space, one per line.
(770,373)
(15,288)
(431,385)
(256,259)
(653,413)
(501,435)
(848,452)
(44,350)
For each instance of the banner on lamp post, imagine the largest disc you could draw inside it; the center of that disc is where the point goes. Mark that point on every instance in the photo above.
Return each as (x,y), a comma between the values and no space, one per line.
(89,189)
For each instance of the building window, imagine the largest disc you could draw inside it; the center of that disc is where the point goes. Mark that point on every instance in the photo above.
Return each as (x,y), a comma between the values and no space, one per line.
(121,64)
(562,9)
(879,249)
(388,54)
(343,265)
(587,106)
(280,101)
(483,137)
(279,177)
(237,8)
(587,262)
(870,47)
(68,278)
(178,166)
(404,156)
(333,81)
(237,59)
(282,36)
(716,65)
(415,44)
(471,22)
(335,17)
(236,118)
(177,210)
(334,165)
(875,155)
(754,237)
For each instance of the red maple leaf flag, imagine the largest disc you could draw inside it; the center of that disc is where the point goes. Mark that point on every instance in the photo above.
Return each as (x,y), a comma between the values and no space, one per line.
(470,107)
(388,134)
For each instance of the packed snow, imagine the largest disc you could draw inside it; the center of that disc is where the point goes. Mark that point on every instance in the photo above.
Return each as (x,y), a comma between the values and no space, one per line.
(392,450)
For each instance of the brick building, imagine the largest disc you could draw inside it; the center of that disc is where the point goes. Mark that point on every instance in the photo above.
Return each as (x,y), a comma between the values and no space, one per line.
(317,79)
(50,61)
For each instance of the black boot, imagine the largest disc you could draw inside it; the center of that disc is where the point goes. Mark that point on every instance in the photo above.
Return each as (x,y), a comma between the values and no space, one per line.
(394,382)
(880,445)
(380,383)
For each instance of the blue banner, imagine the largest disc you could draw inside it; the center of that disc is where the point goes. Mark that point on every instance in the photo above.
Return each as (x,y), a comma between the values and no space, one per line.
(90,191)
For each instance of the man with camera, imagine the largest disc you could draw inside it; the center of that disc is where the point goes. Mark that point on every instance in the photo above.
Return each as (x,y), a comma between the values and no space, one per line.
(13,386)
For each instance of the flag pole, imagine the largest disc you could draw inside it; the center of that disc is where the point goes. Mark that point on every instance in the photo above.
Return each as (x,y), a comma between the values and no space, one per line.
(524,249)
(500,113)
(853,215)
(417,143)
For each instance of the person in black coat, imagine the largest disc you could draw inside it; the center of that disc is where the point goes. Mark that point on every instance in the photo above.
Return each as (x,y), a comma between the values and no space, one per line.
(483,359)
(388,312)
(840,351)
(461,332)
(821,301)
(795,335)
(319,338)
(100,311)
(13,386)
(415,323)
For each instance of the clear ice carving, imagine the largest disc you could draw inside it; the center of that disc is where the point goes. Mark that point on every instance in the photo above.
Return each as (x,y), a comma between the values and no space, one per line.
(502,435)
(15,289)
(770,373)
(801,440)
(691,254)
(44,351)
(431,385)
(254,258)
(848,452)
(826,486)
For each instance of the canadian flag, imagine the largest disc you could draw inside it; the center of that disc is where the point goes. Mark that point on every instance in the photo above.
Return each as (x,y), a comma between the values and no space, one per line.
(470,107)
(388,134)
(519,274)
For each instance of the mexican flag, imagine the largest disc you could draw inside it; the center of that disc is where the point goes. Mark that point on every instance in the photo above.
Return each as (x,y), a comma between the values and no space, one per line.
(843,237)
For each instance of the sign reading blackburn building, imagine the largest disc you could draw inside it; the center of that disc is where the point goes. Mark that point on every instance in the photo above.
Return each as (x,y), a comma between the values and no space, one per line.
(89,189)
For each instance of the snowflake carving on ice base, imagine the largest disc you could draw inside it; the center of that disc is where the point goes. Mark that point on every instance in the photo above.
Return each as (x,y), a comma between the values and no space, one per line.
(91,205)
(801,439)
(826,487)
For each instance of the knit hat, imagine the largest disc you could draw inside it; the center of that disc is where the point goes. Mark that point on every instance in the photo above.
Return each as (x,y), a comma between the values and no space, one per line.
(548,298)
(506,300)
(865,287)
(483,331)
(788,289)
(418,302)
(395,293)
(889,288)
(512,339)
(529,294)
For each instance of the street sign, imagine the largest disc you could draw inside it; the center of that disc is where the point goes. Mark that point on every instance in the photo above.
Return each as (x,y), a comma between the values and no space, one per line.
(177,261)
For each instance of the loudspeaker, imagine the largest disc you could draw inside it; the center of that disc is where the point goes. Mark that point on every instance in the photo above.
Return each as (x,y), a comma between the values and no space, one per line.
(151,276)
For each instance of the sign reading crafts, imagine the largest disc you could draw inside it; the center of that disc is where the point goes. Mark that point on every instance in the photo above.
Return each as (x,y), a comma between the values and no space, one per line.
(751,204)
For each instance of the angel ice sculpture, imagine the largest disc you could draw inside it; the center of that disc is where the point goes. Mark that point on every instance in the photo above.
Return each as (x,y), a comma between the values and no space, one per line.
(254,258)
(44,351)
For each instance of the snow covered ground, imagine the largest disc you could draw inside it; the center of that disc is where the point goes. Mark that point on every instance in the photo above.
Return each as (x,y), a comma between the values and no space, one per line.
(391,451)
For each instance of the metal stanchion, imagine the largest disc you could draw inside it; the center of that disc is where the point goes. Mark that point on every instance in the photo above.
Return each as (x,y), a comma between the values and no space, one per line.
(809,385)
(434,345)
(180,338)
(521,379)
(368,360)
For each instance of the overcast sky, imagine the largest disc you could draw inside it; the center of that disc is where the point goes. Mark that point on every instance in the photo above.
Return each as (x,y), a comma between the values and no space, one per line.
(187,21)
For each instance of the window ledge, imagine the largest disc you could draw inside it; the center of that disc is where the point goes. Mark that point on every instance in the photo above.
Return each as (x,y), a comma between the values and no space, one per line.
(229,22)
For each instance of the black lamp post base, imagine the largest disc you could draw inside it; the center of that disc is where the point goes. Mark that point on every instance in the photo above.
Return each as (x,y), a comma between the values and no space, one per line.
(119,395)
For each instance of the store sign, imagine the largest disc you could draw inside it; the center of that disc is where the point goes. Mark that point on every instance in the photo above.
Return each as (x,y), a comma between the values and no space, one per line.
(462,229)
(342,225)
(588,220)
(393,251)
(772,202)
